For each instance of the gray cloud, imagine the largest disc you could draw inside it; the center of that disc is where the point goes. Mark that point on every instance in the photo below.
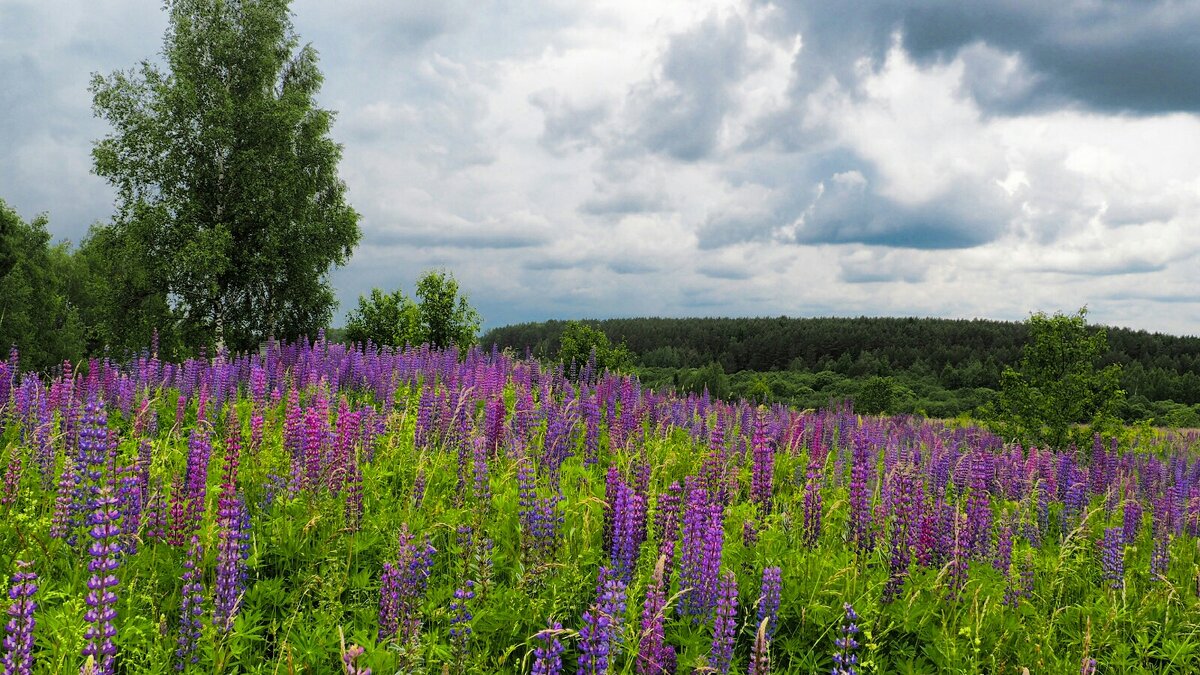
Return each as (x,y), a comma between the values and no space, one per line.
(1111,56)
(679,112)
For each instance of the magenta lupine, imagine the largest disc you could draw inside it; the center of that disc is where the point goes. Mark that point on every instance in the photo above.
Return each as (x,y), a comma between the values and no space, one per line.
(18,639)
(192,607)
(761,485)
(725,624)
(844,657)
(547,656)
(314,437)
(101,598)
(350,661)
(770,594)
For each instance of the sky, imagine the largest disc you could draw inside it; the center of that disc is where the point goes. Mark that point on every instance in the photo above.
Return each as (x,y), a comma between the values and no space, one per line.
(618,158)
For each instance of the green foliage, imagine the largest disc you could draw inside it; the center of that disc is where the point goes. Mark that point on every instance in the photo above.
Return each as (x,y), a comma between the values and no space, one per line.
(37,313)
(875,397)
(442,317)
(580,341)
(384,319)
(710,378)
(447,318)
(1059,394)
(229,203)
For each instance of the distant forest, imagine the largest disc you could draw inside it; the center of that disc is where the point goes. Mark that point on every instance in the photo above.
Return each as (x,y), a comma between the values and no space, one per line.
(939,367)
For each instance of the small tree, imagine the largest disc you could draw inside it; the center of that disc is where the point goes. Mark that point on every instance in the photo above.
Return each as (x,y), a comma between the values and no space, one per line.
(447,318)
(1058,387)
(876,396)
(442,318)
(579,341)
(385,319)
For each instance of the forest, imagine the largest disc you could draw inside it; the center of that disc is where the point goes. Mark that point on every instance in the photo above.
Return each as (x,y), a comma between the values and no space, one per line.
(938,367)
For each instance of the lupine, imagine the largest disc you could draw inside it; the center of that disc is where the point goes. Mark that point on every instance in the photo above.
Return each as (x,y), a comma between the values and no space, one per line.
(1112,556)
(770,595)
(547,656)
(812,501)
(601,629)
(230,511)
(350,661)
(760,657)
(861,529)
(701,545)
(192,607)
(761,486)
(844,657)
(18,640)
(460,620)
(652,657)
(101,598)
(725,625)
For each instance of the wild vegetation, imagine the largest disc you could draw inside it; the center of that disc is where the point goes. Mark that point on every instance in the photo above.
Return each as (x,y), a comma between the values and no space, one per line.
(317,508)
(938,367)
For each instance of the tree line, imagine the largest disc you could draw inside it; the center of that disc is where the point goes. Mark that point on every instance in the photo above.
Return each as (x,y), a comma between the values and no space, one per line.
(941,367)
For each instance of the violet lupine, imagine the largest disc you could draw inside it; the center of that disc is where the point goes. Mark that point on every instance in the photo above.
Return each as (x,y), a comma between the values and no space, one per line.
(18,640)
(101,598)
(230,512)
(700,552)
(812,501)
(861,528)
(1112,556)
(959,554)
(354,496)
(725,625)
(844,658)
(652,657)
(403,589)
(192,607)
(761,483)
(1132,518)
(60,520)
(629,529)
(547,656)
(599,636)
(769,597)
(460,621)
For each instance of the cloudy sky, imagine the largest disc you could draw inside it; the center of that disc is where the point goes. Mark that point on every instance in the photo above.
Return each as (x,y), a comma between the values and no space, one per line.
(717,157)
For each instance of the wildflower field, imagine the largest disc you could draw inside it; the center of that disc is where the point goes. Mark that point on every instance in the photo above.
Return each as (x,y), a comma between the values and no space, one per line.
(315,508)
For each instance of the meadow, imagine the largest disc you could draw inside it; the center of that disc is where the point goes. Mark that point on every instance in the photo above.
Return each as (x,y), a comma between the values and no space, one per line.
(317,508)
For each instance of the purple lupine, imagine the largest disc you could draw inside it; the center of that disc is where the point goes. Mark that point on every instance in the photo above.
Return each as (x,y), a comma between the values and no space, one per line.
(651,657)
(862,531)
(18,641)
(230,535)
(403,587)
(812,499)
(389,601)
(725,625)
(958,555)
(844,658)
(629,529)
(547,656)
(101,598)
(354,496)
(418,491)
(60,521)
(769,597)
(460,621)
(761,482)
(192,607)
(700,552)
(1132,518)
(1112,557)
(600,634)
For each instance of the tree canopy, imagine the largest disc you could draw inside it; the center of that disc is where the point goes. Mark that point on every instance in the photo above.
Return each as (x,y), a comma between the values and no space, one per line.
(441,317)
(1058,386)
(229,201)
(580,343)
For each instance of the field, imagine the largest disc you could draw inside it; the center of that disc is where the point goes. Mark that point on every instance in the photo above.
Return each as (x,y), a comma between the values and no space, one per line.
(317,509)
